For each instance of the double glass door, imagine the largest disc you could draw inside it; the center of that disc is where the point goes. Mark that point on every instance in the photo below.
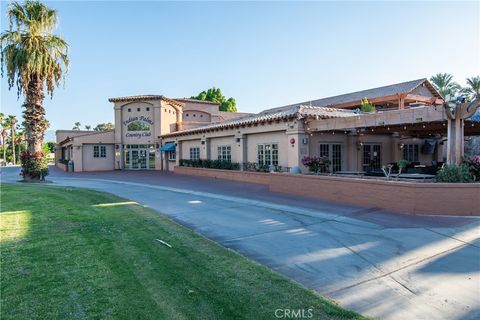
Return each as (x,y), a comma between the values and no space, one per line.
(139,157)
(372,157)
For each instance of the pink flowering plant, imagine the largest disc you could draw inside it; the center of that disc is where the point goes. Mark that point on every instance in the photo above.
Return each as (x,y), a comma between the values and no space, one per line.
(316,164)
(473,164)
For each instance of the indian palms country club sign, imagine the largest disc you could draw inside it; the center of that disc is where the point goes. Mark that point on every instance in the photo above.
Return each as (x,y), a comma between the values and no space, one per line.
(138,127)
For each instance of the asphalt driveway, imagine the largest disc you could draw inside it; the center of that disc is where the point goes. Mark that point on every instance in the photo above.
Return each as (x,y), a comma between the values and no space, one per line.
(378,263)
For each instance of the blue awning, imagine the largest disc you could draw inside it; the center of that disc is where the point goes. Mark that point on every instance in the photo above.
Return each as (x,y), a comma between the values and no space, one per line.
(168,147)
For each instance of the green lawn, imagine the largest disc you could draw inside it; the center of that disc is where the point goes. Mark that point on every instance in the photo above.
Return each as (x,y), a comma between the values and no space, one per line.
(71,253)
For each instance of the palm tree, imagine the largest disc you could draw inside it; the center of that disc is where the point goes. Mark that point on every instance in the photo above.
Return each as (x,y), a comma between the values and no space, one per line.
(4,144)
(19,138)
(2,116)
(88,127)
(34,57)
(473,87)
(12,122)
(76,126)
(444,83)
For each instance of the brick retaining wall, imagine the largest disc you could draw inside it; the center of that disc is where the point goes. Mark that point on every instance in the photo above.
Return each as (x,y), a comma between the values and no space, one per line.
(399,196)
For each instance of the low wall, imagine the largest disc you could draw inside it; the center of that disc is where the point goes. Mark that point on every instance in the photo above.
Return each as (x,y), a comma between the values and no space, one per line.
(243,176)
(405,197)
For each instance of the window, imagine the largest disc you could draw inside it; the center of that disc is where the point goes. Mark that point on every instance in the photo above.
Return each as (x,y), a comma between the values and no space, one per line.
(99,151)
(267,154)
(186,114)
(332,151)
(129,110)
(172,155)
(410,152)
(194,153)
(148,109)
(225,153)
(138,109)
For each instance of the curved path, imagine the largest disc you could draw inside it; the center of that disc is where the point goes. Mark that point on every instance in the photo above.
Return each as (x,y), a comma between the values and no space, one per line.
(378,263)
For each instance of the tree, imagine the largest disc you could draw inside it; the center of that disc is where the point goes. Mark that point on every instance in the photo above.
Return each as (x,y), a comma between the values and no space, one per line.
(104,127)
(76,126)
(472,90)
(12,122)
(34,58)
(215,95)
(19,139)
(444,83)
(2,130)
(88,127)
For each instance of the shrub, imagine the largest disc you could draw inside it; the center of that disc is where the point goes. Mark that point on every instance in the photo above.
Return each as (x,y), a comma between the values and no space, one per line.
(473,165)
(366,106)
(34,166)
(210,164)
(454,174)
(316,164)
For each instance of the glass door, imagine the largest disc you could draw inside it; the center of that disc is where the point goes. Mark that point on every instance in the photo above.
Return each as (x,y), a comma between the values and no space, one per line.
(372,156)
(134,157)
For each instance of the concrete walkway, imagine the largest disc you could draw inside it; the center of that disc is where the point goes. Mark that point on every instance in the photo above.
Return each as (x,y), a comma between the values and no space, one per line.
(380,264)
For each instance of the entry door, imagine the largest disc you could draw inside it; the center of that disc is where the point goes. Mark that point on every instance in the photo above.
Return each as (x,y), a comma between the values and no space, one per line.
(134,159)
(142,158)
(372,156)
(332,151)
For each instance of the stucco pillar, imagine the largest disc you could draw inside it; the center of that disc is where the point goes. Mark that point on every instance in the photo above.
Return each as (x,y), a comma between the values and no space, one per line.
(178,152)
(208,151)
(203,148)
(297,147)
(118,137)
(351,154)
(395,141)
(238,149)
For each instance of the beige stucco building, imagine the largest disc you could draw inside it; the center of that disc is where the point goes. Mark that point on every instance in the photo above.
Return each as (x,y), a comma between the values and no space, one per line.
(155,132)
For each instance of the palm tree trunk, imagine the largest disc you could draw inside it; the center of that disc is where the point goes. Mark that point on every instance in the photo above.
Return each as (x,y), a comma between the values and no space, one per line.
(12,134)
(4,149)
(19,150)
(34,115)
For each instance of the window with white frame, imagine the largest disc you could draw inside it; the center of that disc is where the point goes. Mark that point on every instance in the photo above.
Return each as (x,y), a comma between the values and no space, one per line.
(267,154)
(172,155)
(194,153)
(99,151)
(225,153)
(410,152)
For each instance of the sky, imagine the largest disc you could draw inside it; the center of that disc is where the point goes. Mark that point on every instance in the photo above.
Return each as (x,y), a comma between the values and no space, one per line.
(264,54)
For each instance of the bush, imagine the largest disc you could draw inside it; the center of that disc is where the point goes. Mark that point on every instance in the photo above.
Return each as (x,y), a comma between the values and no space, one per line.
(454,174)
(210,164)
(34,166)
(316,164)
(473,165)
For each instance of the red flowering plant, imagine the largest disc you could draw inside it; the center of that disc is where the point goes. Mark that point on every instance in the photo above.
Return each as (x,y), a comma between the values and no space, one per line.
(34,166)
(473,164)
(316,164)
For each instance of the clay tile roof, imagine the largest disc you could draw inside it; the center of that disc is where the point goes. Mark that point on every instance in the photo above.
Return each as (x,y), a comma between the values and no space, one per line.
(145,98)
(292,112)
(196,101)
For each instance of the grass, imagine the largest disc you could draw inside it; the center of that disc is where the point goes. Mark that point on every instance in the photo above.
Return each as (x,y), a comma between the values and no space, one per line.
(79,254)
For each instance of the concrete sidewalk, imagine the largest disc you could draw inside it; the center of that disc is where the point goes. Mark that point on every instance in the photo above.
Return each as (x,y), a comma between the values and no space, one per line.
(384,265)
